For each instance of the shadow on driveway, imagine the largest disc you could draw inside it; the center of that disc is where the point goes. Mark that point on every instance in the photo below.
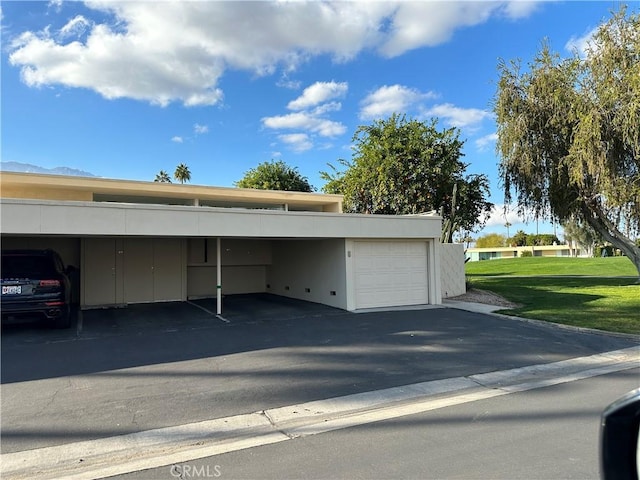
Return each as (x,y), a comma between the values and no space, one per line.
(144,334)
(150,366)
(445,342)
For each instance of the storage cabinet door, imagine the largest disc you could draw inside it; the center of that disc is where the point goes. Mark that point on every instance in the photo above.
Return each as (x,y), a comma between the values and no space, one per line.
(167,269)
(99,272)
(138,270)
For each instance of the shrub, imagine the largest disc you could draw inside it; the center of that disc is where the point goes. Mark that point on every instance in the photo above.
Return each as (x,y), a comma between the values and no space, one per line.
(526,253)
(491,240)
(468,284)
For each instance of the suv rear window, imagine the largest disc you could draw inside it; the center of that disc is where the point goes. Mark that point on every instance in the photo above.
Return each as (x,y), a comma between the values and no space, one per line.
(24,266)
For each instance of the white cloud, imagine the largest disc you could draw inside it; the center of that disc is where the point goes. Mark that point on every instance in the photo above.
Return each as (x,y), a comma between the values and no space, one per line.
(99,65)
(458,117)
(483,142)
(305,121)
(75,27)
(429,23)
(581,44)
(55,5)
(286,82)
(312,107)
(318,93)
(390,99)
(498,217)
(163,52)
(298,142)
(177,139)
(326,108)
(200,129)
(521,8)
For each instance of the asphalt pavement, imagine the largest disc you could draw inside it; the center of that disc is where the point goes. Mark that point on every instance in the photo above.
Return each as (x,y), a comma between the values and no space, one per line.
(548,433)
(148,368)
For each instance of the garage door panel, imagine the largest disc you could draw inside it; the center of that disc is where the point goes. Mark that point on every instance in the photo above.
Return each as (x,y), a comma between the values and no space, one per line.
(390,273)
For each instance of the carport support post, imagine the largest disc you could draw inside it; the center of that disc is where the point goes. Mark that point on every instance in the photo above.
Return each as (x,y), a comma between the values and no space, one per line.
(219,278)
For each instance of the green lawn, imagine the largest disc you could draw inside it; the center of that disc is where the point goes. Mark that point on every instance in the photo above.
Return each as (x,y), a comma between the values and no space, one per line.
(604,267)
(590,299)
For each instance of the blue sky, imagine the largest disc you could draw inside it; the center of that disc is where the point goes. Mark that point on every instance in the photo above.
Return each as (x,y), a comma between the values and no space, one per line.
(125,89)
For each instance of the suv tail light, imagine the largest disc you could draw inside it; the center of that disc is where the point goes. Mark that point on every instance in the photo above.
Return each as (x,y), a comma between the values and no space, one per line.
(49,283)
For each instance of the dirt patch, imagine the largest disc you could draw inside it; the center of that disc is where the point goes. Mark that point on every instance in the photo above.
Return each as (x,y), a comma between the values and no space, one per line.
(475,295)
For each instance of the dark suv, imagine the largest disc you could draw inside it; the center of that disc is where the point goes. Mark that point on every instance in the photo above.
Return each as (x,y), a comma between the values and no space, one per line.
(35,282)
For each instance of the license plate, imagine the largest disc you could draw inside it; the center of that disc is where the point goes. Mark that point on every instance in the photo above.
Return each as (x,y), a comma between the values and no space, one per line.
(11,289)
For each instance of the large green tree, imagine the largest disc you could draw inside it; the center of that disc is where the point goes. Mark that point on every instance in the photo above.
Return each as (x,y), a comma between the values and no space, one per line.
(491,240)
(275,175)
(402,166)
(569,134)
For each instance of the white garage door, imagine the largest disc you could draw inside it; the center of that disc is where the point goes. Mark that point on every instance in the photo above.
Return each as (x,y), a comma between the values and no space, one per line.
(390,273)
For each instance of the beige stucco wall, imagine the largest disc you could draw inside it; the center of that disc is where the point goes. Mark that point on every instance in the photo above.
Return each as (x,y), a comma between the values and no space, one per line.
(67,247)
(244,263)
(201,280)
(311,269)
(452,273)
(476,254)
(42,217)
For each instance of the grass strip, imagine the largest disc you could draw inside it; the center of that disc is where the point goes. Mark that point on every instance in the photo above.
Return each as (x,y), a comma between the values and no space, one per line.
(608,266)
(610,304)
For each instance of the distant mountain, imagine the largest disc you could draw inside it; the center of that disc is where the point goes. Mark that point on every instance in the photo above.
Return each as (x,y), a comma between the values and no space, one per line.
(28,168)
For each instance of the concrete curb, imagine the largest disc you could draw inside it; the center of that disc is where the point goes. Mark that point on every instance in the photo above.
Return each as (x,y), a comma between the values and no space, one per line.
(171,445)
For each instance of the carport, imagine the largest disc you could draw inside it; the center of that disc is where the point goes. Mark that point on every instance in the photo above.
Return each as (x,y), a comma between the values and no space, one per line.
(144,242)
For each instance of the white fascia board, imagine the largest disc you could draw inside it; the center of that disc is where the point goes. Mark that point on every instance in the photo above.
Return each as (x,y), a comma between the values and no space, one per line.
(45,217)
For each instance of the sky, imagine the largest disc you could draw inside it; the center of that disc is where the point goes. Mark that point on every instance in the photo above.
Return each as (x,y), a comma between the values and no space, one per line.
(126,89)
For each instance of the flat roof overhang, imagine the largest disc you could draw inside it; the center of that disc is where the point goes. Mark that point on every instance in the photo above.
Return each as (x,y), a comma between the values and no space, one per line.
(47,217)
(61,187)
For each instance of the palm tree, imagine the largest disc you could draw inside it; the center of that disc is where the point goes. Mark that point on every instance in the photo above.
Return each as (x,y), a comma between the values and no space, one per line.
(163,177)
(182,173)
(508,224)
